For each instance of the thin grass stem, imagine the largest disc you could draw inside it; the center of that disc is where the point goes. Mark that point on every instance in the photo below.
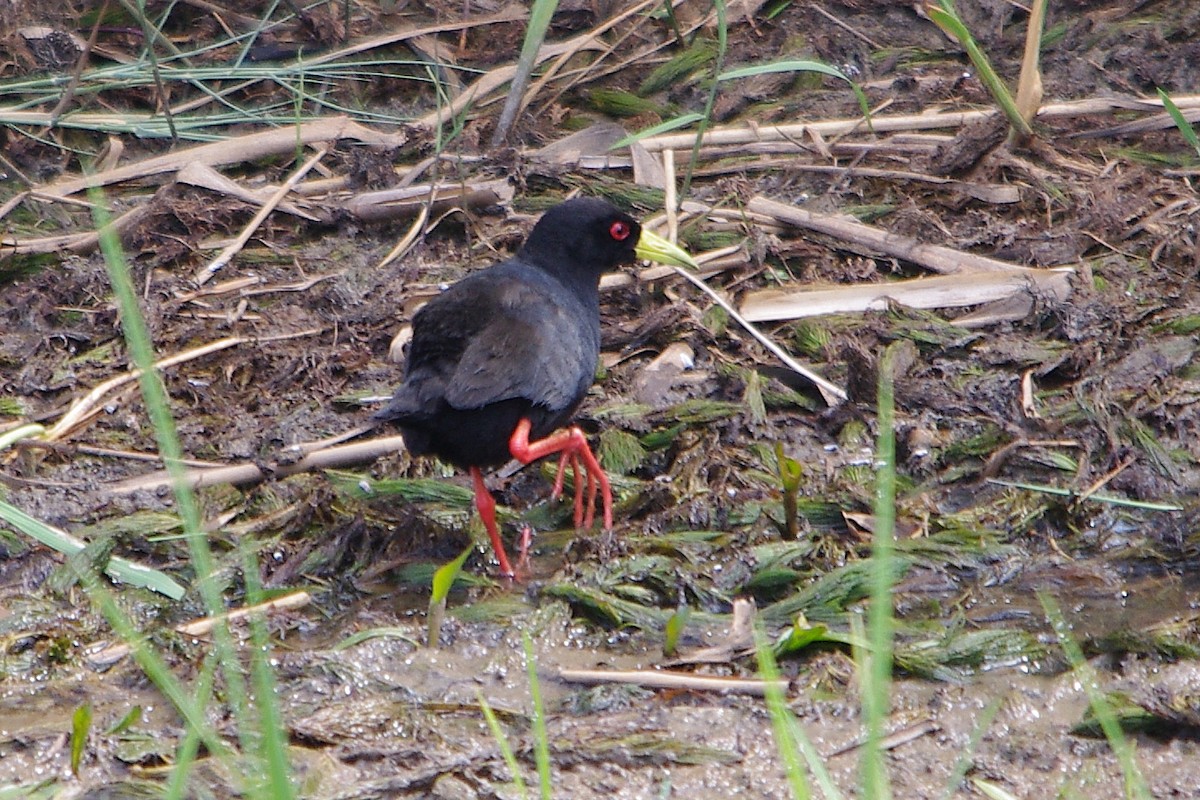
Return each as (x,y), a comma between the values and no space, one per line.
(137,338)
(185,754)
(541,739)
(506,751)
(1135,783)
(877,659)
(706,119)
(781,719)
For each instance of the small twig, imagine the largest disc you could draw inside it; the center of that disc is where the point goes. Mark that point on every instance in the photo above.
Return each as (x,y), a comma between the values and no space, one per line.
(893,740)
(152,34)
(996,193)
(1029,84)
(513,12)
(1105,479)
(250,147)
(241,474)
(434,198)
(991,467)
(75,242)
(107,452)
(943,291)
(833,394)
(592,72)
(846,26)
(204,275)
(16,171)
(662,679)
(535,33)
(77,72)
(490,82)
(941,259)
(671,199)
(713,262)
(749,134)
(205,177)
(1028,403)
(84,405)
(203,626)
(225,287)
(414,232)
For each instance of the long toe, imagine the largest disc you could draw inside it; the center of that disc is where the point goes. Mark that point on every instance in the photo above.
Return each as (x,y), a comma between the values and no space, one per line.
(597,481)
(524,569)
(580,476)
(606,496)
(592,486)
(566,457)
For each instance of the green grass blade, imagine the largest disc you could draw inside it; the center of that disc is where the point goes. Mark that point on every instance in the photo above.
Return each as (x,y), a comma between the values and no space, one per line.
(877,675)
(506,751)
(535,34)
(443,580)
(674,629)
(271,734)
(801,66)
(8,438)
(777,707)
(444,577)
(794,733)
(137,338)
(81,723)
(1096,496)
(1185,127)
(1135,782)
(189,746)
(711,101)
(119,569)
(541,739)
(946,18)
(662,127)
(151,663)
(782,66)
(131,718)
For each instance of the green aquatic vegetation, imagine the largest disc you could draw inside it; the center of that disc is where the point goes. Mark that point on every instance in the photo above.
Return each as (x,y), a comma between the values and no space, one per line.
(681,67)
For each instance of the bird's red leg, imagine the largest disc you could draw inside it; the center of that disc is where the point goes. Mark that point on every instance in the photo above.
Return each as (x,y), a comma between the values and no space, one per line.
(486,505)
(574,446)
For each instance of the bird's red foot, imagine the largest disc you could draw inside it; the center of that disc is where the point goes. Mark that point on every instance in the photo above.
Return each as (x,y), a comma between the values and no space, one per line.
(582,519)
(573,446)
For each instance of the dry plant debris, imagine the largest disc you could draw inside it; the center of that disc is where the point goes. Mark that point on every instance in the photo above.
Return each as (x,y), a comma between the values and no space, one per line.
(289,199)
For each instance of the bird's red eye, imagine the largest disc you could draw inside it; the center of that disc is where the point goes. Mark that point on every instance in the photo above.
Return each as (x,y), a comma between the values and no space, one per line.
(620,230)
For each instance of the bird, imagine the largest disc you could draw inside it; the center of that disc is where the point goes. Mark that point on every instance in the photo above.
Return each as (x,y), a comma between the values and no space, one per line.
(499,362)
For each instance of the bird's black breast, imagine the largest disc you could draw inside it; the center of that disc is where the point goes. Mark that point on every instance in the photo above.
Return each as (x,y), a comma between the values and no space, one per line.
(502,344)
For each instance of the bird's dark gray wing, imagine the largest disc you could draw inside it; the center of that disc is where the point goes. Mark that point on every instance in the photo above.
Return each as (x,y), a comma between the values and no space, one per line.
(442,330)
(530,346)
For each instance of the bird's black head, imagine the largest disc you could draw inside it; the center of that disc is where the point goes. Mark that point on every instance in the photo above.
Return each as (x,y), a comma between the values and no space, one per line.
(584,237)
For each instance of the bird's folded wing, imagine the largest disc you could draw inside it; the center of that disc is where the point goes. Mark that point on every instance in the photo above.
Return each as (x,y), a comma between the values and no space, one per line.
(528,347)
